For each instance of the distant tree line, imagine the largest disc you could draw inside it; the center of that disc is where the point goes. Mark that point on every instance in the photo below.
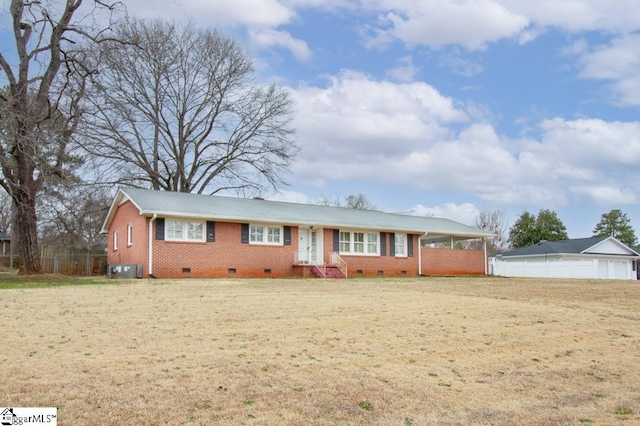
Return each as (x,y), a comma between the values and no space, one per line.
(530,229)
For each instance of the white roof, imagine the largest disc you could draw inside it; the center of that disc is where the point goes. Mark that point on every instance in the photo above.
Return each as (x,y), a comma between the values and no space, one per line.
(232,209)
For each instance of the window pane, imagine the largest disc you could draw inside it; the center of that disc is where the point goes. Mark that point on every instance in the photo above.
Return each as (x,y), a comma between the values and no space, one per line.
(372,243)
(256,234)
(345,242)
(173,229)
(273,235)
(195,231)
(401,245)
(358,242)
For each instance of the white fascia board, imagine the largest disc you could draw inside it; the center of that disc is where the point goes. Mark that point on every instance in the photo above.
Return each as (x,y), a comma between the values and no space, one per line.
(616,242)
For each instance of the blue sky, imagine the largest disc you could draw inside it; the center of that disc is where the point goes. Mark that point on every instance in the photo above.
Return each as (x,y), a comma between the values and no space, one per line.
(449,107)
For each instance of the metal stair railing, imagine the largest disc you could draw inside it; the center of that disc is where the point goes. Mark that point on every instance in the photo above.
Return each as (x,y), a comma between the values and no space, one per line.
(339,262)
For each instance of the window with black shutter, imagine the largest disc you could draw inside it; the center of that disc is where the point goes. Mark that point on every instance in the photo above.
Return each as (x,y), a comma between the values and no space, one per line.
(160,228)
(383,244)
(287,235)
(211,232)
(392,244)
(410,245)
(244,233)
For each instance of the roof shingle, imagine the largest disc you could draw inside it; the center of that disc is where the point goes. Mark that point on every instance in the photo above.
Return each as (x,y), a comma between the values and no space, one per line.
(176,204)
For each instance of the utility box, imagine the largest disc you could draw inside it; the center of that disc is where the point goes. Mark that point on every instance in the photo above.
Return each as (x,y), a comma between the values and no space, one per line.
(124,270)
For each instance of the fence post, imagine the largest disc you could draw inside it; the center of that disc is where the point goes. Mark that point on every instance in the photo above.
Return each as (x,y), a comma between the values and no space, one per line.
(55,265)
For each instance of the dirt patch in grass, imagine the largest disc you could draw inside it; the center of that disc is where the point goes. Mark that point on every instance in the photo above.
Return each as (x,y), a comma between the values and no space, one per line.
(406,352)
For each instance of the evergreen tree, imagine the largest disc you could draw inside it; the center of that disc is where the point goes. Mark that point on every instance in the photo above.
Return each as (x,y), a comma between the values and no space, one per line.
(523,232)
(549,227)
(616,224)
(529,229)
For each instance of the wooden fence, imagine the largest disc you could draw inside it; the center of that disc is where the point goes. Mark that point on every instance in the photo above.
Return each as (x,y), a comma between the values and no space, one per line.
(73,261)
(62,260)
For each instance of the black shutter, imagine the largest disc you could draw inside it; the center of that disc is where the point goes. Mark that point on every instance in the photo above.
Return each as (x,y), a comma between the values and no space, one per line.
(410,245)
(336,240)
(392,244)
(211,232)
(160,228)
(244,233)
(383,244)
(287,235)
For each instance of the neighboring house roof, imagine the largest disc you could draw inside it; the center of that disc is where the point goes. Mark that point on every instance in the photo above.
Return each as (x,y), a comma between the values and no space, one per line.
(4,237)
(574,246)
(177,204)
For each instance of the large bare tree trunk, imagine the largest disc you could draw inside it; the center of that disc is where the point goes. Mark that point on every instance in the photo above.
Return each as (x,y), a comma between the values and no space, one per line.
(27,232)
(39,108)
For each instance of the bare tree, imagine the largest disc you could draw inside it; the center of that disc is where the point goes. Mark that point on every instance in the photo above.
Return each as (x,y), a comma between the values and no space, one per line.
(176,110)
(352,201)
(496,222)
(40,107)
(5,213)
(359,201)
(73,215)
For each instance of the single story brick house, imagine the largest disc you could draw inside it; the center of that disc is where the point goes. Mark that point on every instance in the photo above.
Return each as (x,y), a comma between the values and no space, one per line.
(170,234)
(595,257)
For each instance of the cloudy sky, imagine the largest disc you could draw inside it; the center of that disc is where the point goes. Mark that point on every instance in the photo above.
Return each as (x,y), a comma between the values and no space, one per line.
(449,107)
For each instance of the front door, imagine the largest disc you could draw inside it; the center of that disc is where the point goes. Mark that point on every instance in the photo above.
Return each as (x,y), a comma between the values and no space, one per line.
(310,247)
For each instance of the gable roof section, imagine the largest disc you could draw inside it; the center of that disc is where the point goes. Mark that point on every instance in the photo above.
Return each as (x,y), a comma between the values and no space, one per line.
(209,207)
(593,245)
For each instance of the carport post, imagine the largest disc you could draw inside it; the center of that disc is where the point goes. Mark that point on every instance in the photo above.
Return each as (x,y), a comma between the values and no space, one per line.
(420,253)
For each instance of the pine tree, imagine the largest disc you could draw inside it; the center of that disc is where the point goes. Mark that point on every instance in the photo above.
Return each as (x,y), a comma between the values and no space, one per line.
(616,224)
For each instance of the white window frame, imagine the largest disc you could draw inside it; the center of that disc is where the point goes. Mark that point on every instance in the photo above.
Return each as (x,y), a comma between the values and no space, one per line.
(359,243)
(400,242)
(267,235)
(129,235)
(115,240)
(185,230)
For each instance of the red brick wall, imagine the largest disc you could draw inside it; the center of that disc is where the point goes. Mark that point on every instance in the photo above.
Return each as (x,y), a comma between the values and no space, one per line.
(251,260)
(375,265)
(227,252)
(127,214)
(443,261)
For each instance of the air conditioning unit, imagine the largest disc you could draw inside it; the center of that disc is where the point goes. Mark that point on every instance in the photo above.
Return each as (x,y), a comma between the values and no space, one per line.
(124,270)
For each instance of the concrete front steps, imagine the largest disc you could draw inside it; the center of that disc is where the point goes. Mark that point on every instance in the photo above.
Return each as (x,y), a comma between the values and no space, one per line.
(313,271)
(331,272)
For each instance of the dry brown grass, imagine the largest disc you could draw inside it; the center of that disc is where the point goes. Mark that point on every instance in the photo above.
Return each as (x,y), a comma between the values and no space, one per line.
(383,352)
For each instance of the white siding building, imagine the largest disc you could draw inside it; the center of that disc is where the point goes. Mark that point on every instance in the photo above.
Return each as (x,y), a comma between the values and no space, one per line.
(596,257)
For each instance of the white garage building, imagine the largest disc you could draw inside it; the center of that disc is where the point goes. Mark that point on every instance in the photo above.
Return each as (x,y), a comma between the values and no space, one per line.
(596,257)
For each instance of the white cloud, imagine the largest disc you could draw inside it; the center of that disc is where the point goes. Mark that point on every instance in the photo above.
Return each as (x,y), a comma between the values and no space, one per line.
(266,37)
(617,16)
(438,23)
(607,194)
(356,117)
(455,61)
(408,134)
(288,196)
(262,18)
(617,62)
(475,24)
(220,13)
(591,143)
(405,71)
(463,213)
